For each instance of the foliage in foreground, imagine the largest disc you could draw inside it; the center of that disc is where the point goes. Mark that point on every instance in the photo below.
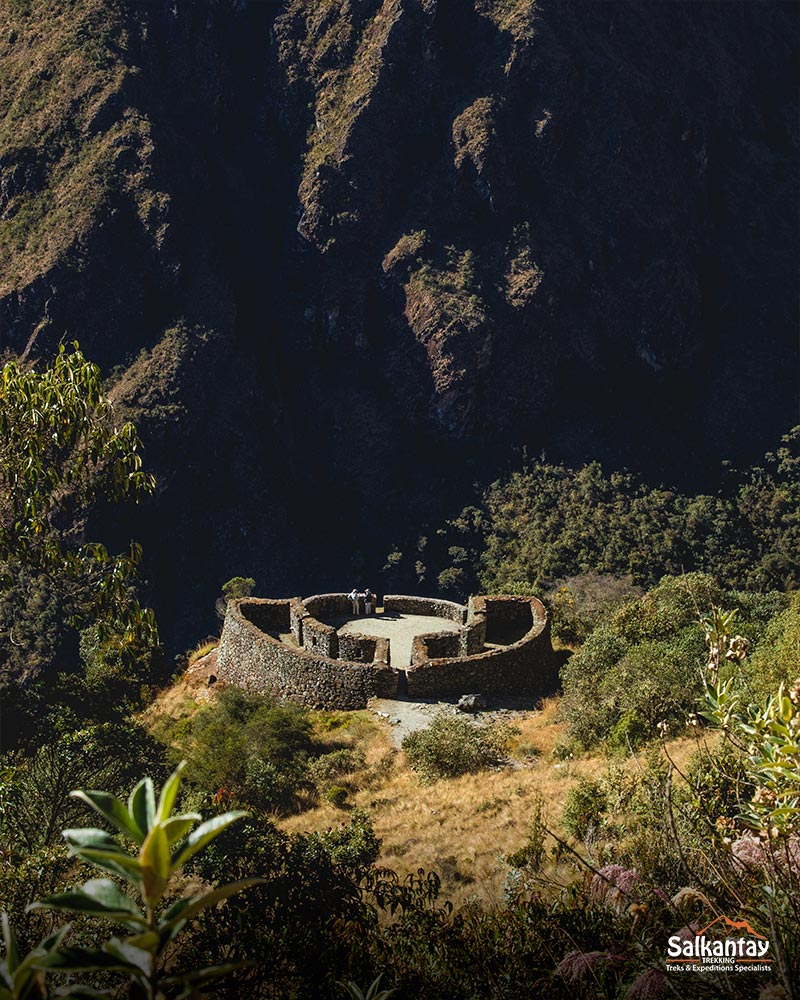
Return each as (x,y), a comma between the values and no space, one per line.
(166,842)
(672,849)
(584,921)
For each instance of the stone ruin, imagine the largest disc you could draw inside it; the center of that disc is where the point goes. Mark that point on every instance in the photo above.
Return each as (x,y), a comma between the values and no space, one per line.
(292,649)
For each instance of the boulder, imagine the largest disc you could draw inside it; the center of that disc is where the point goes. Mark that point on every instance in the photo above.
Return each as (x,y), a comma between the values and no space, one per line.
(471,703)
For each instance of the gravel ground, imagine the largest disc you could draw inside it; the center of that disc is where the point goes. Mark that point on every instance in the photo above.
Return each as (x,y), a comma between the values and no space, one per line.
(409,716)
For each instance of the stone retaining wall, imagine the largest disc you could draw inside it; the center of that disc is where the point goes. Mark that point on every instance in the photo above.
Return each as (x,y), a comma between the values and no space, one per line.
(431,606)
(327,606)
(252,659)
(267,615)
(434,645)
(443,664)
(320,638)
(526,667)
(504,612)
(297,615)
(473,636)
(358,648)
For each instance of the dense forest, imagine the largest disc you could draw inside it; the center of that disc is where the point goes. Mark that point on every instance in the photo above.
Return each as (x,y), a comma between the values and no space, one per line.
(494,296)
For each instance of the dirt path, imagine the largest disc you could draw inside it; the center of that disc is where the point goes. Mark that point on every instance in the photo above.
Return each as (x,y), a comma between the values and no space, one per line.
(409,716)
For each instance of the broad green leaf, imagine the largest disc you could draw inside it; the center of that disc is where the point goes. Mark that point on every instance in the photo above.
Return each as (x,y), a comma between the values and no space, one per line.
(90,837)
(100,897)
(77,902)
(142,804)
(169,793)
(156,867)
(10,942)
(111,861)
(118,857)
(205,833)
(133,878)
(110,895)
(85,960)
(137,957)
(201,902)
(179,826)
(114,811)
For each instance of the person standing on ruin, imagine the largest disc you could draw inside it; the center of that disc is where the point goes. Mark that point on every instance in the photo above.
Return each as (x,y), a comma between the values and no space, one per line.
(369,597)
(354,595)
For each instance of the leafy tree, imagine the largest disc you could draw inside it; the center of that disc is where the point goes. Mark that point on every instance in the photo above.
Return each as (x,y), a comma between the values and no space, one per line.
(545,522)
(776,659)
(579,603)
(232,590)
(35,804)
(63,453)
(63,450)
(238,587)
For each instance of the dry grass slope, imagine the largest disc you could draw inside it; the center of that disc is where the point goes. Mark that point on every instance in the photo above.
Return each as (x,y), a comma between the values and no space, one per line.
(461,827)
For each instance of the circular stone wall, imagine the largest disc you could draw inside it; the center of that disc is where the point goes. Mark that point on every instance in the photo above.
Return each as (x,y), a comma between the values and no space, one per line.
(257,651)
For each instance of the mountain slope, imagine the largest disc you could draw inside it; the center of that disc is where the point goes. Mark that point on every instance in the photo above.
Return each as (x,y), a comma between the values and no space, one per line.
(341,256)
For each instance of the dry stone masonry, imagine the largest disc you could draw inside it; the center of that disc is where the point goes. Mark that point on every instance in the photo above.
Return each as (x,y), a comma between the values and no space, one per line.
(291,648)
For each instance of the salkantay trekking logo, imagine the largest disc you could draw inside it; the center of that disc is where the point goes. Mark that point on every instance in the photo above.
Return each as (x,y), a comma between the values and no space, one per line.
(718,948)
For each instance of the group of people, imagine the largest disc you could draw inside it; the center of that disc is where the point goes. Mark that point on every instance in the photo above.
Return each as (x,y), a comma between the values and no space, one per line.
(363,601)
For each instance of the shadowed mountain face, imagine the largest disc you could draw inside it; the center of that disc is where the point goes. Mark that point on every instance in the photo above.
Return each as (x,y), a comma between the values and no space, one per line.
(341,257)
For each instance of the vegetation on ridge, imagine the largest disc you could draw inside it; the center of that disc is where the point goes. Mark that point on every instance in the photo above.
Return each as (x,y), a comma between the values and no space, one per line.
(545,523)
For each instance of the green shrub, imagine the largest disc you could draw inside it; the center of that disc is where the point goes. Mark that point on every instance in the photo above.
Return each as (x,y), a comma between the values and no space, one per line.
(451,746)
(233,590)
(253,748)
(238,587)
(583,809)
(332,765)
(579,603)
(777,657)
(545,523)
(630,731)
(640,667)
(337,796)
(532,854)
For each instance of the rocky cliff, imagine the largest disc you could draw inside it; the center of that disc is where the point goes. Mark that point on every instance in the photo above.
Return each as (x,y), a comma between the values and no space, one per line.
(340,257)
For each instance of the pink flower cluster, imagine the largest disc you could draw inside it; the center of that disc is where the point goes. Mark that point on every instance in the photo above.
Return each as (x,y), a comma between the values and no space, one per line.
(612,885)
(756,855)
(575,966)
(649,986)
